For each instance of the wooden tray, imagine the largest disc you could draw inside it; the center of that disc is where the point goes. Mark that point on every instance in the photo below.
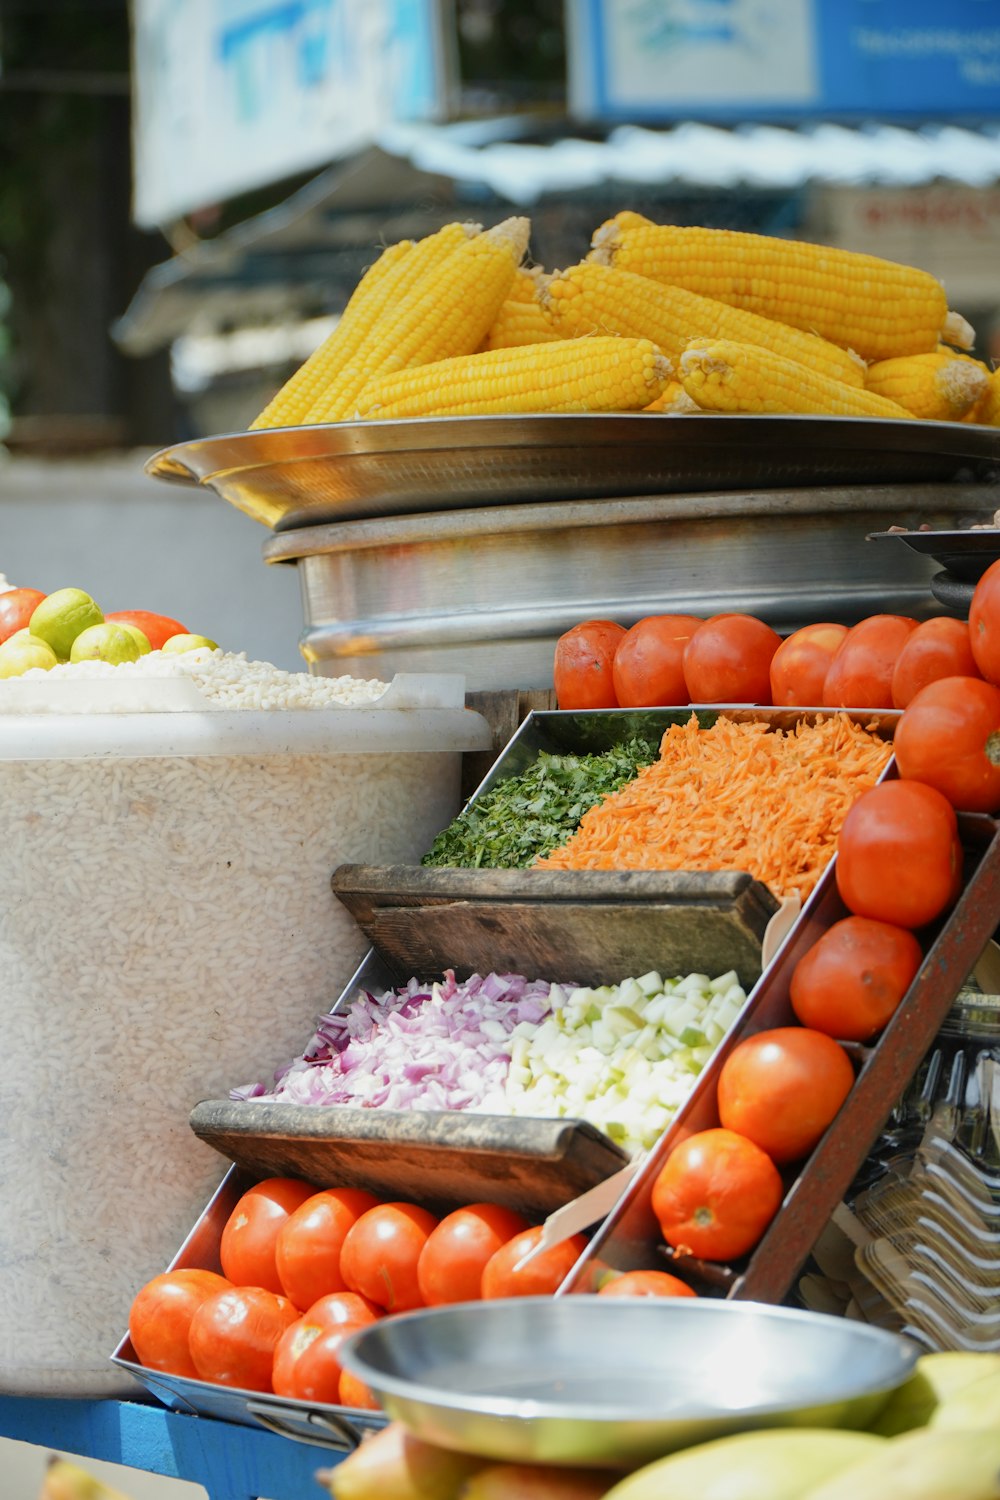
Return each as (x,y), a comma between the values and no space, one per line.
(440,1159)
(583,927)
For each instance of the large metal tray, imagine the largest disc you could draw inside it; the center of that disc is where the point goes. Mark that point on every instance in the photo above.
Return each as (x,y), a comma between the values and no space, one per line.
(299,476)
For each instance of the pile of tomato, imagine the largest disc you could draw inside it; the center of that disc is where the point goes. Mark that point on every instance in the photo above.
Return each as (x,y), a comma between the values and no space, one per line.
(899,869)
(671,660)
(302,1268)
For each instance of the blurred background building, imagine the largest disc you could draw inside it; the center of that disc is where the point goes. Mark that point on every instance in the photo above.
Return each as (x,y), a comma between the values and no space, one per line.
(189,190)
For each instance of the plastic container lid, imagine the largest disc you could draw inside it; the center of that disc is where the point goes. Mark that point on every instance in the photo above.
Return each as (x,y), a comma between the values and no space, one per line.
(153,717)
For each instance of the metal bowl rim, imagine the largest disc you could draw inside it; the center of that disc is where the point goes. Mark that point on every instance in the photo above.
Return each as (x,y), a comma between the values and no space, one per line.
(389,436)
(533,1409)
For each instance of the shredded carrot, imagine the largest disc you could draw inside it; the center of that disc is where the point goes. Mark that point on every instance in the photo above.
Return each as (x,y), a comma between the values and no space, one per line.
(737,796)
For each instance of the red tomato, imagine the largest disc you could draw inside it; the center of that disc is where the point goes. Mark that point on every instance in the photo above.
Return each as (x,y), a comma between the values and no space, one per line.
(937,648)
(307,1249)
(380,1254)
(782,1088)
(234,1334)
(949,738)
(307,1360)
(160,1318)
(451,1263)
(646,1284)
(852,979)
(541,1277)
(899,859)
(247,1248)
(584,662)
(860,674)
(156,628)
(984,624)
(801,662)
(728,660)
(16,609)
(338,1308)
(715,1195)
(648,667)
(354,1393)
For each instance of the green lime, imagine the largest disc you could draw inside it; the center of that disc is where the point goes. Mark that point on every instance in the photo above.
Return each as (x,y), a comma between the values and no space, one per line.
(105,642)
(62,616)
(178,643)
(141,640)
(19,654)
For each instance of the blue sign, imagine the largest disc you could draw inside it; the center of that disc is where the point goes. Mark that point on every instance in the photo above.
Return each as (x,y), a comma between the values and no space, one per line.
(803,59)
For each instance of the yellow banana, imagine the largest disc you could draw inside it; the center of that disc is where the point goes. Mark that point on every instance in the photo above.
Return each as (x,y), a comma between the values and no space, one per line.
(536,1482)
(779,1463)
(974,1406)
(392,1462)
(67,1481)
(935,1379)
(922,1465)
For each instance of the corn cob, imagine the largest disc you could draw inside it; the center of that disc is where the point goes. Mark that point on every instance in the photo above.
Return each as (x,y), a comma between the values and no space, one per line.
(591,298)
(571,375)
(447,312)
(675,399)
(523,318)
(876,307)
(941,386)
(396,270)
(986,412)
(723,376)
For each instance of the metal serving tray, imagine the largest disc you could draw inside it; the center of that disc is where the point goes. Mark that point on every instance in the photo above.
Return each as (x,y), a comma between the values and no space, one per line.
(298,476)
(629,1236)
(965,553)
(337,1427)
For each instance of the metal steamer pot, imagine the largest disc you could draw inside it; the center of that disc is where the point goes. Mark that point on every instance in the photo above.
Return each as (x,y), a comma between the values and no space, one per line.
(488,590)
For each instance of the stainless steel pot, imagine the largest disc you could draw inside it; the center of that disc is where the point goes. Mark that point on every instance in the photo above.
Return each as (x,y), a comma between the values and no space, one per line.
(487,591)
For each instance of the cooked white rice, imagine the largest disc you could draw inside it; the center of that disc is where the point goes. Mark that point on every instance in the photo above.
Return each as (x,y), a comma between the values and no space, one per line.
(167,931)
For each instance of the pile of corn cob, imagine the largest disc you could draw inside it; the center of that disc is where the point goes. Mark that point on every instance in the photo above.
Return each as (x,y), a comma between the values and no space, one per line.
(656,318)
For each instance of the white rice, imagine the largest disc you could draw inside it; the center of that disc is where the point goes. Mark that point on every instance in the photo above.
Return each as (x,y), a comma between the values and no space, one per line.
(225,678)
(167,931)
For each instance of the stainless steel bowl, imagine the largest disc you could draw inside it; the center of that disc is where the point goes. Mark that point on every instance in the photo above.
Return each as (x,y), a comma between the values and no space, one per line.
(609,1382)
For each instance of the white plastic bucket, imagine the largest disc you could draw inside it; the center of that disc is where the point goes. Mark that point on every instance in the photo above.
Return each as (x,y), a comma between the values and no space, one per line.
(167,932)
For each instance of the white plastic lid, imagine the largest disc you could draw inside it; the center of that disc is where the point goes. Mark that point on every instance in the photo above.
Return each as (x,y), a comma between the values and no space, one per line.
(153,717)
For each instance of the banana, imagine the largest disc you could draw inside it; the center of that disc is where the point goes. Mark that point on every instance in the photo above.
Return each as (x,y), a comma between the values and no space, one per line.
(392,1462)
(935,1379)
(535,1482)
(922,1465)
(778,1463)
(67,1481)
(974,1406)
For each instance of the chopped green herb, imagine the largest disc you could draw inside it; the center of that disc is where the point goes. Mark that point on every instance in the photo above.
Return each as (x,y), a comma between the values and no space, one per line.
(529,815)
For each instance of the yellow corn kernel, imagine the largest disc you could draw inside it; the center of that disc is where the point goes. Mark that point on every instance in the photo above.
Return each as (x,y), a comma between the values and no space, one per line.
(397,268)
(591,298)
(873,306)
(986,412)
(523,318)
(571,375)
(674,400)
(722,376)
(447,312)
(940,387)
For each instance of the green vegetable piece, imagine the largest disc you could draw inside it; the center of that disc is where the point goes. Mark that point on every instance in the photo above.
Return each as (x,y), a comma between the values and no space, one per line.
(524,817)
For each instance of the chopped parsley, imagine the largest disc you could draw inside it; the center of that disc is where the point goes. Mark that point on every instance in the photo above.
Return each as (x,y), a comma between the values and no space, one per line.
(527,816)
